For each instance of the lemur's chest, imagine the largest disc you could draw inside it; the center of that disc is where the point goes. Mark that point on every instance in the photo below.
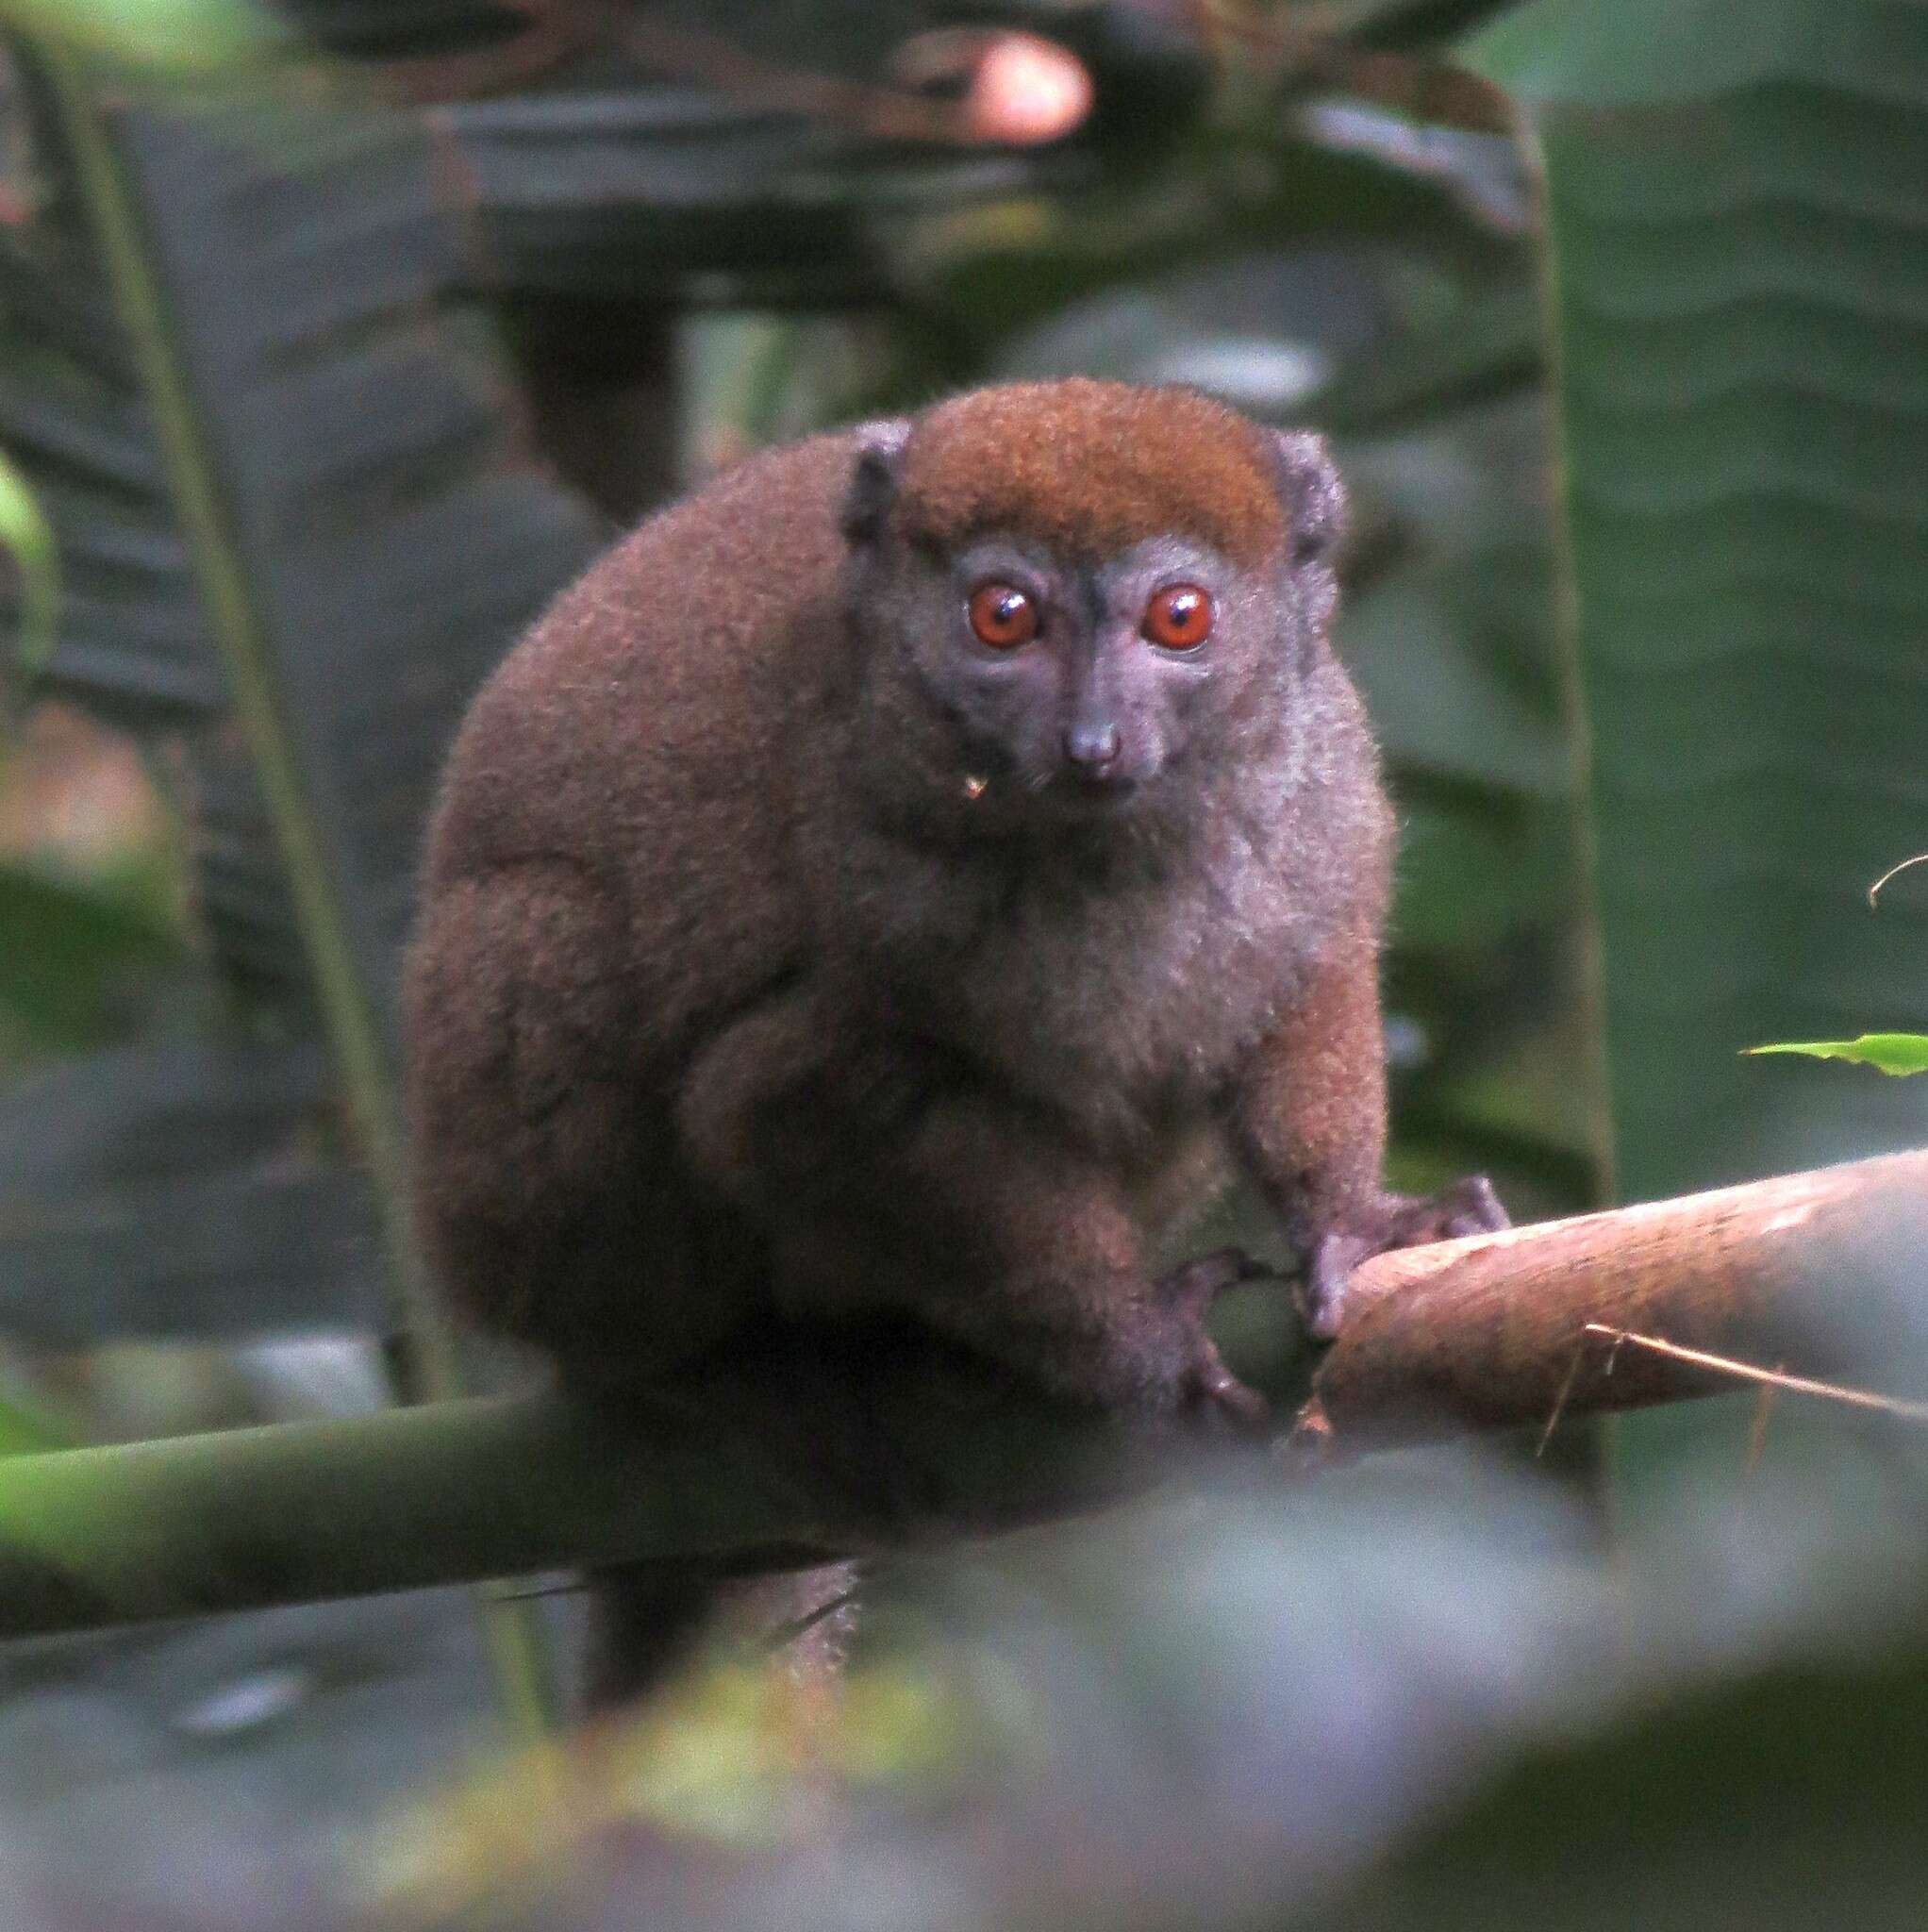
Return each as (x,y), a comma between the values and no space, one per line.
(1124,1007)
(1142,998)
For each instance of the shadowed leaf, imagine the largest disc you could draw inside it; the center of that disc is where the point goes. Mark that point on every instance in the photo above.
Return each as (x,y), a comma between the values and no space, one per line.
(1735,192)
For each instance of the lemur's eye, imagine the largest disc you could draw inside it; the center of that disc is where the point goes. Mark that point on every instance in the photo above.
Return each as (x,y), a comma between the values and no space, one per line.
(1179,617)
(1003,616)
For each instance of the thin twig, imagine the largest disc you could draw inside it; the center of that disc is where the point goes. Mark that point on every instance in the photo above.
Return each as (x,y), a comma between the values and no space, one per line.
(1770,1378)
(1552,1421)
(1894,872)
(1763,1414)
(885,114)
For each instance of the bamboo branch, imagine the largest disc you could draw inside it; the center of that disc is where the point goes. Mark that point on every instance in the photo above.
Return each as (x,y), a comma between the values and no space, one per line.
(793,1458)
(1808,1270)
(783,1462)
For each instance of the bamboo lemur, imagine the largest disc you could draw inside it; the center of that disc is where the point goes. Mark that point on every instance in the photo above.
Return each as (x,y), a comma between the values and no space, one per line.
(899,881)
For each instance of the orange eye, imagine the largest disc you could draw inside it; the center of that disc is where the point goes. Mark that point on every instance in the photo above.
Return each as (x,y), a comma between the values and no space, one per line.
(1179,617)
(1003,616)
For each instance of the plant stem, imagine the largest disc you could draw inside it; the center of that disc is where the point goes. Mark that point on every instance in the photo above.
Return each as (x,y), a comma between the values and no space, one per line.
(824,1452)
(349,1008)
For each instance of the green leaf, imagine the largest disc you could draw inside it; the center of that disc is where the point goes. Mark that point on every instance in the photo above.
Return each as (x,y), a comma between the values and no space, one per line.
(1646,52)
(1735,193)
(1892,1053)
(28,539)
(71,951)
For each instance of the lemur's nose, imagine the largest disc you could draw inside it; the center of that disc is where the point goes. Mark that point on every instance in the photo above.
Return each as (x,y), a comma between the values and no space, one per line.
(1093,748)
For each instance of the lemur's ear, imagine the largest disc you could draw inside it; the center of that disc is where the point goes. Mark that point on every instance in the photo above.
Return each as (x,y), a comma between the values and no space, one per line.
(1313,497)
(874,478)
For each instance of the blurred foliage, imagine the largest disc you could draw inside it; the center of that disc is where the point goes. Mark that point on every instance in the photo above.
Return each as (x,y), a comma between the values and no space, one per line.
(80,958)
(1237,1712)
(1821,1815)
(739,1759)
(29,546)
(25,1426)
(183,37)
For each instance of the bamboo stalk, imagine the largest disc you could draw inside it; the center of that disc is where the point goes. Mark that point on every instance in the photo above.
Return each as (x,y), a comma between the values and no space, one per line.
(799,1458)
(1804,1270)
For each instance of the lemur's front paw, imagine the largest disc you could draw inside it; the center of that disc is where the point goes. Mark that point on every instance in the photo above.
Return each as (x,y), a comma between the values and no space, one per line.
(1208,1393)
(1394,1220)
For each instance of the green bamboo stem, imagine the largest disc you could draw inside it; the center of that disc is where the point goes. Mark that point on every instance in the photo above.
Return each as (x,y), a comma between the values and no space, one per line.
(486,1488)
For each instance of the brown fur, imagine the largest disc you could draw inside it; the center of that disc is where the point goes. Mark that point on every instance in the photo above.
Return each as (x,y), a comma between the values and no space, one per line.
(1170,460)
(732,1006)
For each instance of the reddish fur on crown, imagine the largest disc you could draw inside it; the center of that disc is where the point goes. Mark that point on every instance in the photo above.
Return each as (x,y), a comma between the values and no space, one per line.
(1091,468)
